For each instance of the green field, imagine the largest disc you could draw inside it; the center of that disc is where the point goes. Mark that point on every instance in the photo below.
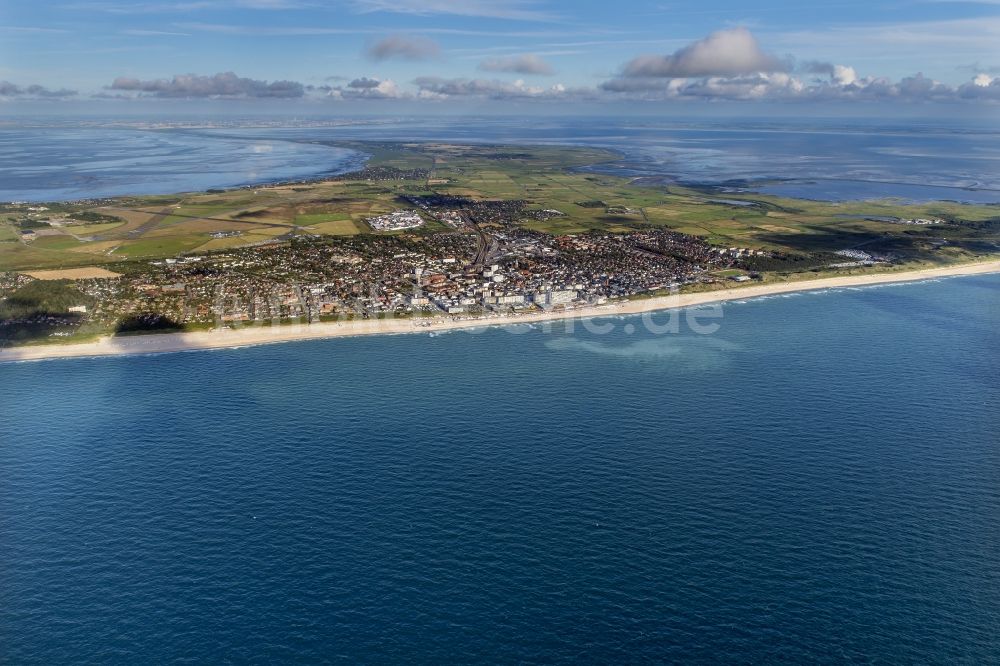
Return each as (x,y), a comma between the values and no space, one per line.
(165,226)
(332,224)
(168,246)
(94,229)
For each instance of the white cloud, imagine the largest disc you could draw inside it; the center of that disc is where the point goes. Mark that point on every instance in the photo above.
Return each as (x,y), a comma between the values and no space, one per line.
(982,87)
(760,85)
(723,53)
(842,84)
(843,75)
(367,88)
(730,65)
(754,86)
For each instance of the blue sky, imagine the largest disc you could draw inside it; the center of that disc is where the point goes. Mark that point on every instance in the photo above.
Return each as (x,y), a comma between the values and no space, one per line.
(432,51)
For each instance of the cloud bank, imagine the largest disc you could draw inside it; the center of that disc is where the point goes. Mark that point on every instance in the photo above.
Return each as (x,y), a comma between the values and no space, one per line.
(8,89)
(730,65)
(365,88)
(433,87)
(223,85)
(841,84)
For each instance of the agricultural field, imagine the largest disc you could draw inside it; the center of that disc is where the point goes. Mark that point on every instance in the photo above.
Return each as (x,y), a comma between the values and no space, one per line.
(144,228)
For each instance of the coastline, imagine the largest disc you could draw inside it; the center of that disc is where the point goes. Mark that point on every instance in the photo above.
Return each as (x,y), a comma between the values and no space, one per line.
(258,335)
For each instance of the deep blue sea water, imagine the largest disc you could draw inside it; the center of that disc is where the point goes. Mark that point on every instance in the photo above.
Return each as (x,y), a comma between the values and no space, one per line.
(819,480)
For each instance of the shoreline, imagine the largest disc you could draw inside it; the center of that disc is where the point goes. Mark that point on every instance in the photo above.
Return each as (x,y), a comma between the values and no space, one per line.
(257,335)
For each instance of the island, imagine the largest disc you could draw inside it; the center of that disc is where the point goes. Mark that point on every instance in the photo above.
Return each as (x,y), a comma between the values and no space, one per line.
(430,236)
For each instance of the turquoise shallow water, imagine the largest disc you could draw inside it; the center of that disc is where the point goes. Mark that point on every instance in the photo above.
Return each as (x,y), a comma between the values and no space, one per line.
(818,480)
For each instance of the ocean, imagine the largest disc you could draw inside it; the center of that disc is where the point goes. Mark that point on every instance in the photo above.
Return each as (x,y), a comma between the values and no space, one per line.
(815,481)
(823,159)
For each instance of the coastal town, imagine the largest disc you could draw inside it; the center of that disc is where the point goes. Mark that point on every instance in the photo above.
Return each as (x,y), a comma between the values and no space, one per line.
(467,272)
(430,233)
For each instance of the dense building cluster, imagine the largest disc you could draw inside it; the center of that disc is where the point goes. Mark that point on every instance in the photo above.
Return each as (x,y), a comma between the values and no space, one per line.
(486,263)
(397,220)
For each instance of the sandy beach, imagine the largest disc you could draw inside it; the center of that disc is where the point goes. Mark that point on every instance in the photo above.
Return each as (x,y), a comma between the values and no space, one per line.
(250,334)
